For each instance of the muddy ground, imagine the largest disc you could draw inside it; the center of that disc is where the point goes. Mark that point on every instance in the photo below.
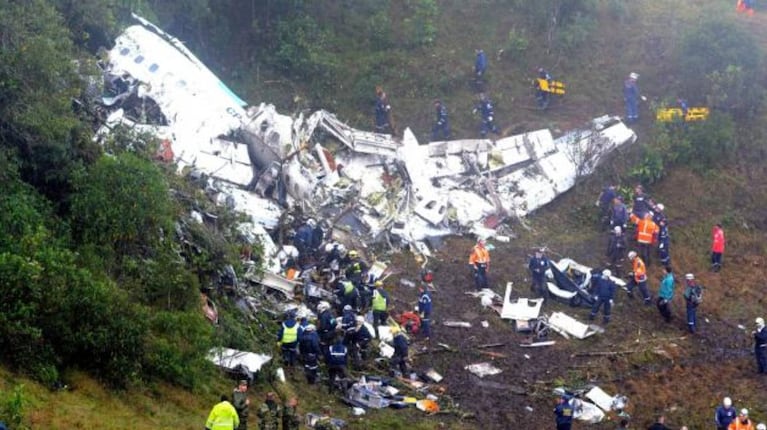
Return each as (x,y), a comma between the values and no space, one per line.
(659,366)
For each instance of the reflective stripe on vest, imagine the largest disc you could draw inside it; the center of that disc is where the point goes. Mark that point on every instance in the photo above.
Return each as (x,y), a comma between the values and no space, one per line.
(379,301)
(338,353)
(289,334)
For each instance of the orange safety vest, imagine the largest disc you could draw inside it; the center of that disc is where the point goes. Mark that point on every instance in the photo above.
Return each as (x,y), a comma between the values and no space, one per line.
(479,255)
(646,230)
(737,425)
(640,270)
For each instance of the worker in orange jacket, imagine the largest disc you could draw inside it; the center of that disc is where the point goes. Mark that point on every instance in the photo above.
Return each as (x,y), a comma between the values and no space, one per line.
(646,234)
(742,422)
(638,278)
(479,260)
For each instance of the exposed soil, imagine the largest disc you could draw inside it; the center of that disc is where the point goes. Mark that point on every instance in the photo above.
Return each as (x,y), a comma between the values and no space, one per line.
(660,367)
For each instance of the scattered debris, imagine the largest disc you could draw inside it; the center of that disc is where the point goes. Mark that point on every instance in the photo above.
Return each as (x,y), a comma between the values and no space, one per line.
(537,344)
(483,369)
(563,323)
(237,362)
(313,418)
(451,323)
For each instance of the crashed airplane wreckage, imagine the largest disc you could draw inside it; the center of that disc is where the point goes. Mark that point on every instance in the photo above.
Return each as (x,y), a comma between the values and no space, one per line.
(377,185)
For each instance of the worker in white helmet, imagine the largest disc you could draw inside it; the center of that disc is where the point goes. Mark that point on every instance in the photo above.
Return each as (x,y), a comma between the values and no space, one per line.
(760,345)
(725,414)
(605,292)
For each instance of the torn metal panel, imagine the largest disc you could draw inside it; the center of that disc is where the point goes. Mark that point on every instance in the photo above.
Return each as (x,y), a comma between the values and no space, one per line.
(605,401)
(565,323)
(520,309)
(276,282)
(483,369)
(235,361)
(587,411)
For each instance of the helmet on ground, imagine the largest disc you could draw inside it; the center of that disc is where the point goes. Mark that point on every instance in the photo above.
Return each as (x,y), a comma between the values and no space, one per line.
(353,253)
(607,273)
(632,255)
(618,229)
(310,327)
(634,75)
(727,402)
(689,276)
(744,412)
(759,321)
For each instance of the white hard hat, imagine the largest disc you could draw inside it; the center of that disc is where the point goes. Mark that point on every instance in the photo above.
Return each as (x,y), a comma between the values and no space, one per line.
(759,321)
(323,306)
(727,402)
(744,412)
(689,276)
(660,207)
(618,229)
(348,307)
(761,426)
(311,223)
(360,319)
(607,273)
(632,254)
(634,75)
(310,327)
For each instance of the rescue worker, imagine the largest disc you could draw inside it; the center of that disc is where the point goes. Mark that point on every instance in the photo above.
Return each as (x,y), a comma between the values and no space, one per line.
(337,363)
(564,414)
(664,243)
(541,95)
(693,296)
(334,253)
(382,112)
(660,424)
(684,107)
(356,269)
(399,359)
(638,277)
(358,342)
(291,420)
(538,265)
(326,327)
(424,309)
(616,250)
(269,413)
(480,64)
(646,234)
(485,108)
(717,247)
(619,217)
(742,422)
(223,416)
(605,203)
(347,293)
(631,97)
(605,292)
(348,321)
(240,401)
(658,213)
(303,240)
(318,236)
(411,321)
(666,293)
(725,414)
(310,353)
(641,204)
(442,126)
(380,305)
(760,345)
(479,260)
(288,339)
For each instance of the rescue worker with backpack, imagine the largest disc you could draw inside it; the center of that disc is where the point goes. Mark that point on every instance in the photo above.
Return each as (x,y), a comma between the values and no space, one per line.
(693,296)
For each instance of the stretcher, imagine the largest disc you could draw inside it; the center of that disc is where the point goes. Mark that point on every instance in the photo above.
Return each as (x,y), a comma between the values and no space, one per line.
(550,86)
(673,114)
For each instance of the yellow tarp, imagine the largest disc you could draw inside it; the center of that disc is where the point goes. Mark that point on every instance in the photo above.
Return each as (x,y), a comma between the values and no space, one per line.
(672,114)
(553,87)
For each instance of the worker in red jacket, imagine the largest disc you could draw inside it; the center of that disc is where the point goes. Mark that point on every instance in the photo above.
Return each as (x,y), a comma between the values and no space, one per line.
(717,247)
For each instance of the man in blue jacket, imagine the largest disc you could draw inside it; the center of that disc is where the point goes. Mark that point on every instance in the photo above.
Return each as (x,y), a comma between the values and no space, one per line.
(564,414)
(725,414)
(424,308)
(538,264)
(480,64)
(631,97)
(605,292)
(310,353)
(442,127)
(485,108)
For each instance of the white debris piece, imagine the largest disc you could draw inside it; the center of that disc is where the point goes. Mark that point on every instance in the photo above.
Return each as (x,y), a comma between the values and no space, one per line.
(233,360)
(587,411)
(521,309)
(565,323)
(483,369)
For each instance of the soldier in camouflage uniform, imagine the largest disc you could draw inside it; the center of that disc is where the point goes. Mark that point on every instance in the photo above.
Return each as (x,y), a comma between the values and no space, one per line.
(240,401)
(269,413)
(324,423)
(290,418)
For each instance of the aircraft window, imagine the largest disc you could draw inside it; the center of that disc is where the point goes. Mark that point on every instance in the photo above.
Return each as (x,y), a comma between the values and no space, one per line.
(153,68)
(124,51)
(139,59)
